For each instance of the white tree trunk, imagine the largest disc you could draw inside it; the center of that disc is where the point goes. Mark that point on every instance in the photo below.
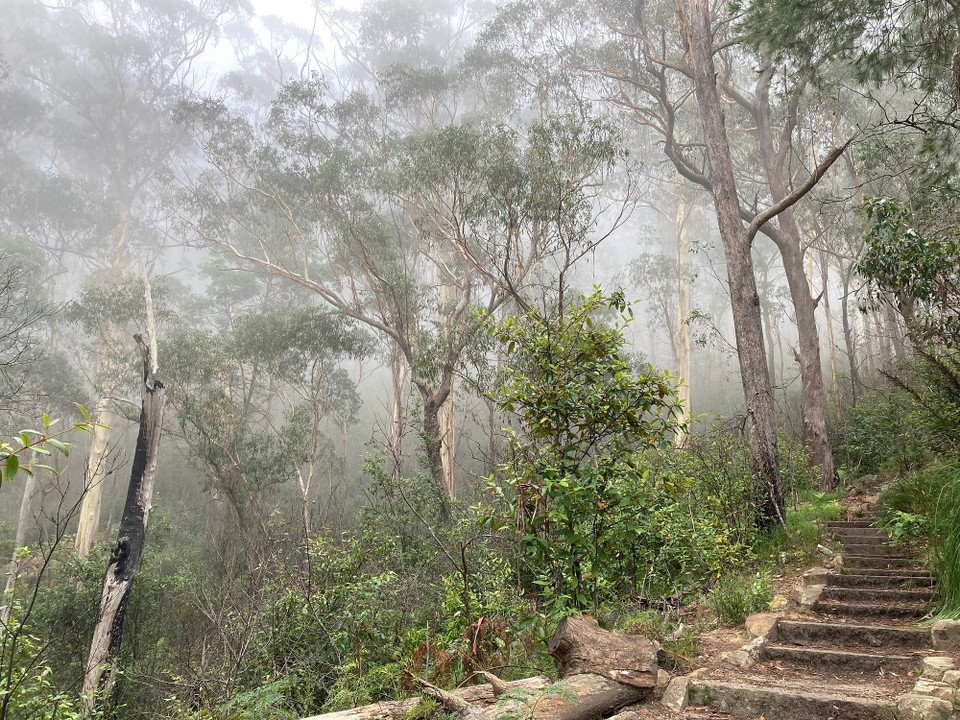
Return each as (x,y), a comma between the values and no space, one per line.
(94,477)
(30,488)
(448,442)
(682,331)
(398,410)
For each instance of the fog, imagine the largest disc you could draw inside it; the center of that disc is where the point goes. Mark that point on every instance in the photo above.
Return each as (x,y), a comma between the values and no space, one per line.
(335,222)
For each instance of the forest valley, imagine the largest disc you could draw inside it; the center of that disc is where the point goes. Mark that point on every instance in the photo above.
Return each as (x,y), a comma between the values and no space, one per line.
(346,354)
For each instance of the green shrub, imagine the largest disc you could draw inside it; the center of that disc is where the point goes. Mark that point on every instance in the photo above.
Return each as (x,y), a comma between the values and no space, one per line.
(906,528)
(883,432)
(735,597)
(917,492)
(583,410)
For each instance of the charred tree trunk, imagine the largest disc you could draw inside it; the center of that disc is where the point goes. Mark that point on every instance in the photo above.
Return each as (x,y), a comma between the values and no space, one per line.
(758,397)
(125,558)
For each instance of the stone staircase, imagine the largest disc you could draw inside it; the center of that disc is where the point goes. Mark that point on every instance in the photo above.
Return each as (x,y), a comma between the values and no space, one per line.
(854,652)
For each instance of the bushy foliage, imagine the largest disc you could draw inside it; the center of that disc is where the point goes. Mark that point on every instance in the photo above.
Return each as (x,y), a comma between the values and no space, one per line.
(736,596)
(883,432)
(584,413)
(27,687)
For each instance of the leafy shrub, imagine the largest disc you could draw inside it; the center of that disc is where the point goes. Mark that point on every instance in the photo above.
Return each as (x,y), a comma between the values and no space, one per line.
(681,643)
(583,411)
(26,687)
(736,596)
(905,528)
(883,432)
(916,493)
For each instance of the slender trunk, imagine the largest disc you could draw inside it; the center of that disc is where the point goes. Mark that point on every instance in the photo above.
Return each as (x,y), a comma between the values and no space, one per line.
(883,342)
(766,313)
(681,342)
(492,427)
(94,478)
(758,397)
(30,488)
(799,283)
(304,483)
(849,337)
(894,331)
(398,411)
(125,559)
(446,414)
(870,353)
(831,339)
(447,418)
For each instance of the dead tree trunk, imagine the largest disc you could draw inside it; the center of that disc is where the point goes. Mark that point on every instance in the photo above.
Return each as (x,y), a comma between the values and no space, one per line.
(125,558)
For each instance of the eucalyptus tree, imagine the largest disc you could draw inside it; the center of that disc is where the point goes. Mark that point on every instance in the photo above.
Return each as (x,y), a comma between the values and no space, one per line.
(378,222)
(103,77)
(251,402)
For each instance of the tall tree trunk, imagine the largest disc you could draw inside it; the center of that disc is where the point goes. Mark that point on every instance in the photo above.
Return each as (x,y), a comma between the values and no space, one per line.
(681,342)
(447,417)
(849,337)
(89,523)
(398,410)
(433,436)
(883,341)
(831,339)
(758,397)
(791,253)
(894,330)
(30,487)
(125,559)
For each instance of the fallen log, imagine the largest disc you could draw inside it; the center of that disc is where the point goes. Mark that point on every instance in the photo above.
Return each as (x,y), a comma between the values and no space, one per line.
(601,673)
(479,695)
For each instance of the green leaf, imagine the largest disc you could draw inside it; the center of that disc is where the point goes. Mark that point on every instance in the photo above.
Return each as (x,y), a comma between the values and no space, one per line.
(61,446)
(12,466)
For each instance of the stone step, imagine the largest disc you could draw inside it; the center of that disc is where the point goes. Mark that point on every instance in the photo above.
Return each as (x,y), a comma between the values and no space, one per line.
(889,572)
(872,550)
(893,595)
(860,532)
(868,610)
(880,581)
(842,661)
(777,703)
(878,562)
(812,634)
(859,522)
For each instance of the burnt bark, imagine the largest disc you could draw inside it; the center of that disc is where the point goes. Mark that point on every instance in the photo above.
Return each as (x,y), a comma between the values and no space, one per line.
(125,557)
